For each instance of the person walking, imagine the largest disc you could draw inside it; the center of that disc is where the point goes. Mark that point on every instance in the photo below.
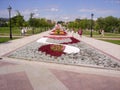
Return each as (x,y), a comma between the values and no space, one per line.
(80,32)
(72,32)
(22,32)
(102,33)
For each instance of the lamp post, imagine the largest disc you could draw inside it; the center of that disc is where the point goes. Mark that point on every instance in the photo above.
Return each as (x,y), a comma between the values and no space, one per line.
(31,20)
(9,9)
(91,24)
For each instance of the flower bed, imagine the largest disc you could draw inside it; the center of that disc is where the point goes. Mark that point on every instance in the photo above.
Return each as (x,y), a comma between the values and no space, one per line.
(58,32)
(62,40)
(73,40)
(88,56)
(52,49)
(57,48)
(58,37)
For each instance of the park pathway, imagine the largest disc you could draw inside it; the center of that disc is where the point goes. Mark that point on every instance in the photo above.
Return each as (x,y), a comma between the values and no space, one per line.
(17,74)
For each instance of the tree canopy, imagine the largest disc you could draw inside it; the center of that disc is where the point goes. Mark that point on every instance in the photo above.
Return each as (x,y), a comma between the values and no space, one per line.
(109,23)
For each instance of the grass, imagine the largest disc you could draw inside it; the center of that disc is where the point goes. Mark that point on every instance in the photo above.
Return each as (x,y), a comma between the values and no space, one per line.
(6,31)
(16,31)
(112,41)
(87,32)
(95,33)
(5,39)
(108,37)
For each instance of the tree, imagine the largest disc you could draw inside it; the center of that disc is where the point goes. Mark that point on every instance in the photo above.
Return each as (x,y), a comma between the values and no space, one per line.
(31,19)
(97,27)
(118,29)
(18,20)
(100,23)
(109,24)
(85,24)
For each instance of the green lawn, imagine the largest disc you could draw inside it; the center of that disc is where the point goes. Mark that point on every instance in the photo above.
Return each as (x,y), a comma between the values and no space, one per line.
(5,39)
(16,32)
(96,34)
(4,31)
(107,36)
(112,41)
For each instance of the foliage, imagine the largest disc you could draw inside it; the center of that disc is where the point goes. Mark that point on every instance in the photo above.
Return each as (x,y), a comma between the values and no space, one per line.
(80,23)
(39,22)
(109,24)
(17,31)
(18,20)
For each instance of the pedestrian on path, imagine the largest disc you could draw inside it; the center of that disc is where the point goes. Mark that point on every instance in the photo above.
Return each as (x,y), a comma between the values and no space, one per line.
(80,32)
(72,32)
(22,32)
(102,32)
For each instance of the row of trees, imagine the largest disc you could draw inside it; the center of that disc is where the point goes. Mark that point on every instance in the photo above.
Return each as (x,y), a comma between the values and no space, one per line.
(19,21)
(109,24)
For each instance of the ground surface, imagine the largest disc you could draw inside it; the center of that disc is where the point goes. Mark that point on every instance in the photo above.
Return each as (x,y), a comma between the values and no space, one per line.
(20,74)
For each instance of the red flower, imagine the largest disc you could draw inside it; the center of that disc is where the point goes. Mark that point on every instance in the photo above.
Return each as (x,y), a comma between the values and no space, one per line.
(73,40)
(47,49)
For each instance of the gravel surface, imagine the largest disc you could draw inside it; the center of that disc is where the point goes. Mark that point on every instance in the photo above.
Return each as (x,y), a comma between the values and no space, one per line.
(87,56)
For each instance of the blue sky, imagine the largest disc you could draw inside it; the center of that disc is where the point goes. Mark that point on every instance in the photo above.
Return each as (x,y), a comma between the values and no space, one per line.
(61,9)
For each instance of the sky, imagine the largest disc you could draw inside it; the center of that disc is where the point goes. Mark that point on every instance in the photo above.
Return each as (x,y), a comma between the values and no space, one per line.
(65,10)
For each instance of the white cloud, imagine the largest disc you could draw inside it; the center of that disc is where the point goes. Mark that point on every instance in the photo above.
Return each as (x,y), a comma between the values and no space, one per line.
(54,9)
(35,10)
(5,14)
(98,11)
(65,17)
(26,13)
(87,10)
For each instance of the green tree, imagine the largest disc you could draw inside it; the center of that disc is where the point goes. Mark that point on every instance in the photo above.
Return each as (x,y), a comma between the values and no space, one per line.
(85,24)
(109,24)
(100,23)
(18,20)
(31,19)
(118,28)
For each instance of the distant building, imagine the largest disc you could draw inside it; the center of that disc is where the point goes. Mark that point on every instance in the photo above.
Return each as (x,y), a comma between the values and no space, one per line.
(4,22)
